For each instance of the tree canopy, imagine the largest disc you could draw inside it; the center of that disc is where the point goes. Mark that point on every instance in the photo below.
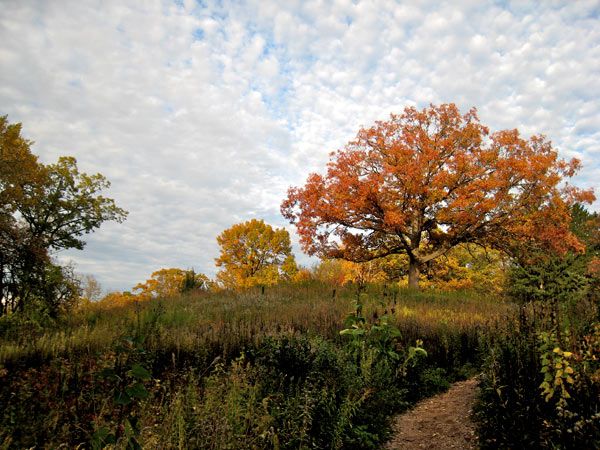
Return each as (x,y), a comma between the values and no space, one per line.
(43,208)
(428,180)
(165,283)
(254,253)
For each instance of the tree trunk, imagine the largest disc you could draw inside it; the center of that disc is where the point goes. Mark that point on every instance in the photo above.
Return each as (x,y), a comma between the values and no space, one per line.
(413,273)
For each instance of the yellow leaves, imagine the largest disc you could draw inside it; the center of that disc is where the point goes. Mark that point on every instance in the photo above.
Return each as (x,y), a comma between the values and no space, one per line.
(466,267)
(301,276)
(117,299)
(163,283)
(334,271)
(564,354)
(557,370)
(254,253)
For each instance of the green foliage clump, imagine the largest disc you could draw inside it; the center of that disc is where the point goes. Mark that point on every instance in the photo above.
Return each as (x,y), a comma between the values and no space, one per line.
(43,208)
(290,392)
(542,276)
(541,382)
(549,279)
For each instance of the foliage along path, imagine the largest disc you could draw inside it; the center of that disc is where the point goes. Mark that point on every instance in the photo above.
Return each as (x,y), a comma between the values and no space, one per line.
(439,423)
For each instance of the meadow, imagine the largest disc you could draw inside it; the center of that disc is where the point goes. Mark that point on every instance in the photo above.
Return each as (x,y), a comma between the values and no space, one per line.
(259,368)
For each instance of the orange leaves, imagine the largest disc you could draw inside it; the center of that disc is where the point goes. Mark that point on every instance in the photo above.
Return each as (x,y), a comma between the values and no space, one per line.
(163,283)
(430,173)
(393,218)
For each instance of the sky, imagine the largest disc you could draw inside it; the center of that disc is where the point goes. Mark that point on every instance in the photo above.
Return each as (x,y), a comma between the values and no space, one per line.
(203,113)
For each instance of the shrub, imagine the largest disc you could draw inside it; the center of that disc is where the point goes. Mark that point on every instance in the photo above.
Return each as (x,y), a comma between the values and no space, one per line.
(540,385)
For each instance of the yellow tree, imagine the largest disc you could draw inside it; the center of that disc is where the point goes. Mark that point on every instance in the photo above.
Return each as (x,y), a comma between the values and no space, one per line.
(117,299)
(333,271)
(467,267)
(254,253)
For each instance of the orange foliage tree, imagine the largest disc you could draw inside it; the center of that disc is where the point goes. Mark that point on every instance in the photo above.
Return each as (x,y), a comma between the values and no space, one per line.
(166,283)
(428,180)
(253,253)
(117,299)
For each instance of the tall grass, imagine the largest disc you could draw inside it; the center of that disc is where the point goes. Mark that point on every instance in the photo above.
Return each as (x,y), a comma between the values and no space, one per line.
(231,320)
(251,369)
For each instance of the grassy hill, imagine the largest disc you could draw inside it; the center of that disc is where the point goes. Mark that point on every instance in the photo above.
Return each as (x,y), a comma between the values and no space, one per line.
(257,368)
(261,368)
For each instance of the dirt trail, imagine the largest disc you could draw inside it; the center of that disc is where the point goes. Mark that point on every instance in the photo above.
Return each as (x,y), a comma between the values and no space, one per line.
(439,423)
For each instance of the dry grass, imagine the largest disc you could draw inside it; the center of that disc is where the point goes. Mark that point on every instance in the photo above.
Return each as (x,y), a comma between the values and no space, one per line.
(230,320)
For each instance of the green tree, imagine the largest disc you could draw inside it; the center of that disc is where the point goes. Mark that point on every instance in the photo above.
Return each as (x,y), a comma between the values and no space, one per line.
(43,208)
(253,253)
(539,275)
(194,282)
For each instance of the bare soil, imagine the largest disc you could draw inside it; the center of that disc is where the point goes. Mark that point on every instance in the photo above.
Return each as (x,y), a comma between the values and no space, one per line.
(439,423)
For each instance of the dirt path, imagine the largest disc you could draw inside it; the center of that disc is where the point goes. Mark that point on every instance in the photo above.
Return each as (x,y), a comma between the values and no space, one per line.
(439,423)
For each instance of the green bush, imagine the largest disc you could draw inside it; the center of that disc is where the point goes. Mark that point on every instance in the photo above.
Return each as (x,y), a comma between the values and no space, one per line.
(540,387)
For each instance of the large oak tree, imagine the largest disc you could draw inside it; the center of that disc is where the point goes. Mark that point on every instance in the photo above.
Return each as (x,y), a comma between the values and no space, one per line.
(427,180)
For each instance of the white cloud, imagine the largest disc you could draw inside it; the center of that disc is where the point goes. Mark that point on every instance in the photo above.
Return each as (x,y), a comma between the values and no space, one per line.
(202,116)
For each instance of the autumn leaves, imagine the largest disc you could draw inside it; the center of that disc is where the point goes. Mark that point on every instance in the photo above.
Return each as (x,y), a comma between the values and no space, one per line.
(421,184)
(426,181)
(253,253)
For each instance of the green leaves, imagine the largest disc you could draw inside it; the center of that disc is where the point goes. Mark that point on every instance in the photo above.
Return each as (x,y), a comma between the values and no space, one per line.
(102,438)
(137,390)
(128,388)
(43,208)
(65,204)
(139,372)
(126,378)
(381,338)
(355,331)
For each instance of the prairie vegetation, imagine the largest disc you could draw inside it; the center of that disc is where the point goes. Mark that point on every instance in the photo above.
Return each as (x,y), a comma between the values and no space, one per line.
(240,369)
(270,369)
(446,252)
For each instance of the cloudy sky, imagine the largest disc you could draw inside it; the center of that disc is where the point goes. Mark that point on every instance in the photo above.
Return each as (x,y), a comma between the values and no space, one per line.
(203,113)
